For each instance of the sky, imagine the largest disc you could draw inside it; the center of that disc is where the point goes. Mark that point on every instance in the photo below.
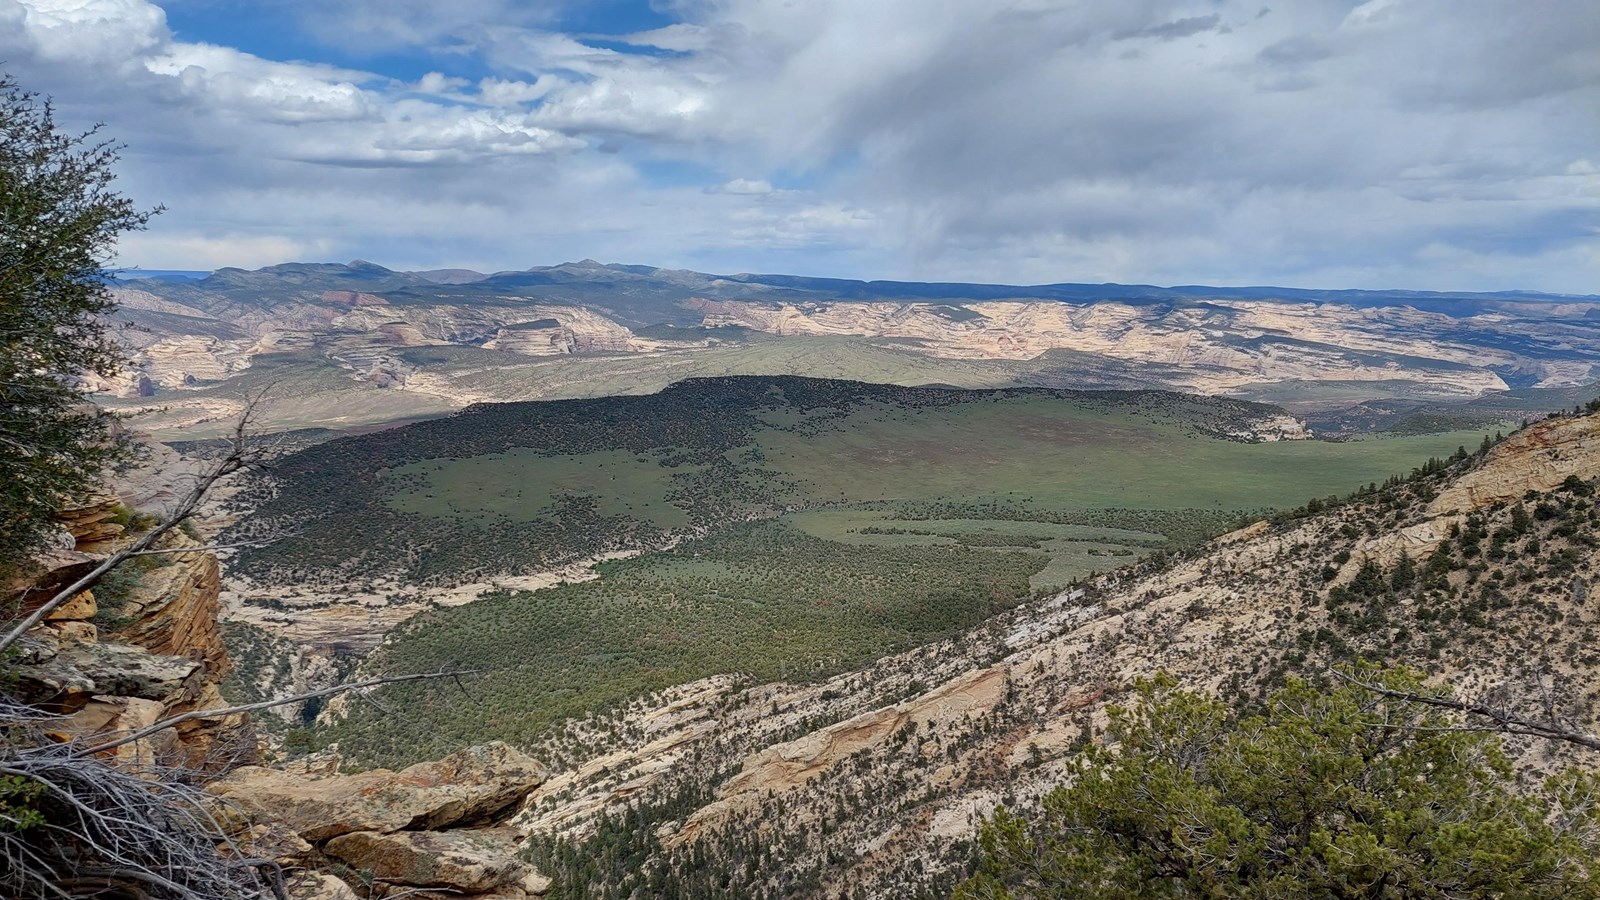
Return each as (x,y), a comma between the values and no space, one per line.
(1426,144)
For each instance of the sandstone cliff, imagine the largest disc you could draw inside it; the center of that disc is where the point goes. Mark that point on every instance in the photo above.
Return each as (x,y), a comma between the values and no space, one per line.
(1223,347)
(1536,459)
(144,645)
(1323,354)
(184,347)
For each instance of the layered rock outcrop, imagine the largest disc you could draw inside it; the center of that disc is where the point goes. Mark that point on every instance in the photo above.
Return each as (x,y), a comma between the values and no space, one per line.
(174,609)
(1224,346)
(353,298)
(455,863)
(147,648)
(155,652)
(1538,458)
(185,347)
(470,787)
(435,829)
(1325,354)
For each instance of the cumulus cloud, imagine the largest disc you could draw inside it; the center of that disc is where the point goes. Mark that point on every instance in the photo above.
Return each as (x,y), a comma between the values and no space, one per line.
(1423,143)
(498,92)
(746,186)
(266,92)
(439,84)
(89,31)
(1177,28)
(388,25)
(204,251)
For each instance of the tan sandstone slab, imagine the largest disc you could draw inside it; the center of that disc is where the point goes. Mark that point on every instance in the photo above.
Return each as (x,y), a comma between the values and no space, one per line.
(465,787)
(469,861)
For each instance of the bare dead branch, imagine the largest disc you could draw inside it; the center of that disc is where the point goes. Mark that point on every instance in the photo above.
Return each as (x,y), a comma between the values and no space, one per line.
(118,831)
(373,702)
(455,676)
(164,724)
(1503,720)
(238,457)
(207,548)
(142,830)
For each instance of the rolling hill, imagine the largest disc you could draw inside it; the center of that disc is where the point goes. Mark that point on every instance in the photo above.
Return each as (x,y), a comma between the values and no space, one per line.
(512,488)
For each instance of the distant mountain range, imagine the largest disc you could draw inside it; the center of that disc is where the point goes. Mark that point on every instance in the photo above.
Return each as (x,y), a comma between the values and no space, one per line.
(424,343)
(130,276)
(584,278)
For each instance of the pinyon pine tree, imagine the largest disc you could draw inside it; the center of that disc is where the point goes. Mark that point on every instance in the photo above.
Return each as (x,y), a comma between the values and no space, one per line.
(1346,794)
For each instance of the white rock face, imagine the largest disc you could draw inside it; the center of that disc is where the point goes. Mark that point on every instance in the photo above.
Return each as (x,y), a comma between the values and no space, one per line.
(1308,356)
(1234,344)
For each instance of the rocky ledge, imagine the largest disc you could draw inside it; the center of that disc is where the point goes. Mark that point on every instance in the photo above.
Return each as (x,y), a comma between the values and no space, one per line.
(148,648)
(434,830)
(138,653)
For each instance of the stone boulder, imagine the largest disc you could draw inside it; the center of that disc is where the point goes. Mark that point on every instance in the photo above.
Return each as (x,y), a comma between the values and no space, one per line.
(80,607)
(471,861)
(129,671)
(50,571)
(469,787)
(92,522)
(64,676)
(105,717)
(71,631)
(317,886)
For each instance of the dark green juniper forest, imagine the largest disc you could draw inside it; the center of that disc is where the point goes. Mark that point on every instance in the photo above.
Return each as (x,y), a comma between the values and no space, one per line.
(611,582)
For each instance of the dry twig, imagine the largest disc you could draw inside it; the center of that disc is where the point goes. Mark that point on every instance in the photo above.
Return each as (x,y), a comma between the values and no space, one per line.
(158,727)
(238,457)
(1499,718)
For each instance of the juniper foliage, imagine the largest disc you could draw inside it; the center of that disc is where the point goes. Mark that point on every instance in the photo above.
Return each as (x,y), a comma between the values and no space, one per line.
(60,217)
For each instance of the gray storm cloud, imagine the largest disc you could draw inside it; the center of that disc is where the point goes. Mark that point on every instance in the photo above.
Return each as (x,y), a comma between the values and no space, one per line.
(1420,143)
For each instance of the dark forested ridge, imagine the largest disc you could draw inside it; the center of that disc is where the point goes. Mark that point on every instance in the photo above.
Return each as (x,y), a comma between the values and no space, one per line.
(696,439)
